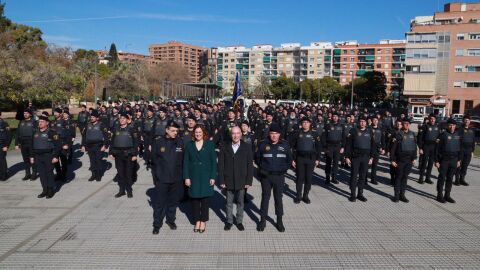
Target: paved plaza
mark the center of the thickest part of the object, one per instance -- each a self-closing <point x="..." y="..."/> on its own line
<point x="85" y="227"/>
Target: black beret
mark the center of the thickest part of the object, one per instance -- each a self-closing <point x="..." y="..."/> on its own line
<point x="124" y="114"/>
<point x="269" y="113"/>
<point x="306" y="119"/>
<point x="450" y="121"/>
<point x="191" y="116"/>
<point x="94" y="113"/>
<point x="466" y="116"/>
<point x="431" y="115"/>
<point x="43" y="117"/>
<point x="246" y="122"/>
<point x="172" y="123"/>
<point x="45" y="113"/>
<point x="162" y="109"/>
<point x="150" y="108"/>
<point x="58" y="110"/>
<point x="362" y="118"/>
<point x="28" y="110"/>
<point x="274" y="127"/>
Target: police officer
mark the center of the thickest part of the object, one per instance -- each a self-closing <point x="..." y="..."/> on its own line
<point x="306" y="147"/>
<point x="45" y="153"/>
<point x="25" y="131"/>
<point x="427" y="139"/>
<point x="5" y="140"/>
<point x="333" y="142"/>
<point x="95" y="142"/>
<point x="392" y="134"/>
<point x="60" y="127"/>
<point x="167" y="154"/>
<point x="359" y="153"/>
<point x="160" y="124"/>
<point x="72" y="131"/>
<point x="378" y="147"/>
<point x="263" y="127"/>
<point x="147" y="135"/>
<point x="290" y="125"/>
<point x="124" y="149"/>
<point x="449" y="155"/>
<point x="187" y="134"/>
<point x="468" y="147"/>
<point x="273" y="157"/>
<point x="403" y="155"/>
<point x="83" y="119"/>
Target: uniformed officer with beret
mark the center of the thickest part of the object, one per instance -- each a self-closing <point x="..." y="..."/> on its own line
<point x="359" y="153"/>
<point x="124" y="149"/>
<point x="333" y="139"/>
<point x="427" y="140"/>
<point x="468" y="147"/>
<point x="306" y="147"/>
<point x="5" y="139"/>
<point x="45" y="153"/>
<point x="60" y="127"/>
<point x="147" y="135"/>
<point x="273" y="157"/>
<point x="167" y="158"/>
<point x="403" y="156"/>
<point x="379" y="148"/>
<point x="24" y="136"/>
<point x="449" y="155"/>
<point x="95" y="142"/>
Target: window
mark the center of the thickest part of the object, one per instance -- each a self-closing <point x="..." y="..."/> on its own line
<point x="344" y="66"/>
<point x="226" y="66"/>
<point x="468" y="107"/>
<point x="474" y="35"/>
<point x="421" y="53"/>
<point x="422" y="38"/>
<point x="472" y="84"/>
<point x="473" y="52"/>
<point x="379" y="58"/>
<point x="457" y="84"/>
<point x="413" y="69"/>
<point x="459" y="52"/>
<point x="456" y="106"/>
<point x="379" y="65"/>
<point x="252" y="66"/>
<point x="311" y="72"/>
<point x="352" y="51"/>
<point x="460" y="36"/>
<point x="312" y="59"/>
<point x="319" y="65"/>
<point x="473" y="68"/>
<point x="386" y="66"/>
<point x="280" y="65"/>
<point x="344" y="52"/>
<point x="352" y="59"/>
<point x="386" y="73"/>
<point x="458" y="69"/>
<point x="344" y="59"/>
<point x="351" y="72"/>
<point x="352" y="65"/>
<point x="252" y="72"/>
<point x="379" y="50"/>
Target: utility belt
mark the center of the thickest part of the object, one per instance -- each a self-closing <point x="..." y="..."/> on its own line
<point x="122" y="152"/>
<point x="360" y="152"/>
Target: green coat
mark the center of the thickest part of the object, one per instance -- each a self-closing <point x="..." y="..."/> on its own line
<point x="200" y="167"/>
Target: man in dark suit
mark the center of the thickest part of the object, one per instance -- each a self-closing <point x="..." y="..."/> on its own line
<point x="167" y="158"/>
<point x="235" y="173"/>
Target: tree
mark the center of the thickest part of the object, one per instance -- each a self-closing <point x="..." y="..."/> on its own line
<point x="284" y="88"/>
<point x="262" y="87"/>
<point x="369" y="88"/>
<point x="112" y="55"/>
<point x="329" y="90"/>
<point x="206" y="76"/>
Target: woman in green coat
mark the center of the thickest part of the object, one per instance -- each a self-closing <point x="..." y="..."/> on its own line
<point x="199" y="171"/>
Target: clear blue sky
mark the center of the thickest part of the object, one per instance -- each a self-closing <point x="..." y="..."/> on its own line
<point x="134" y="24"/>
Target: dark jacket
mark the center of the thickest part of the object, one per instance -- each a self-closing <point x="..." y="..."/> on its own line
<point x="167" y="159"/>
<point x="200" y="167"/>
<point x="235" y="170"/>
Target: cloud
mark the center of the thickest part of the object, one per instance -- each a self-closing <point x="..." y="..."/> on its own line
<point x="157" y="16"/>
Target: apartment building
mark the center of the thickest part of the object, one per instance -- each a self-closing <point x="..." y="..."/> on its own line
<point x="190" y="56"/>
<point x="443" y="61"/>
<point x="352" y="60"/>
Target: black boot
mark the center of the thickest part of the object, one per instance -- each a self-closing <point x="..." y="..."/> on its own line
<point x="129" y="194"/>
<point x="403" y="198"/>
<point x="327" y="179"/>
<point x="428" y="181"/>
<point x="334" y="180"/>
<point x="261" y="225"/>
<point x="457" y="181"/>
<point x="305" y="198"/>
<point x="360" y="197"/>
<point x="92" y="177"/>
<point x="448" y="198"/>
<point x="28" y="174"/>
<point x="353" y="197"/>
<point x="420" y="180"/>
<point x="50" y="193"/>
<point x="440" y="197"/>
<point x="43" y="194"/>
<point x="462" y="181"/>
<point x="120" y="194"/>
<point x="280" y="226"/>
<point x="297" y="200"/>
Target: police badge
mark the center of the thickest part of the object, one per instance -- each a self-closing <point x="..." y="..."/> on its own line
<point x="162" y="149"/>
<point x="267" y="148"/>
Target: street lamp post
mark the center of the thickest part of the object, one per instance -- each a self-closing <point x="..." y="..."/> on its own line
<point x="351" y="95"/>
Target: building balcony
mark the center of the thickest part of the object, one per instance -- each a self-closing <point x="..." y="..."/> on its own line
<point x="360" y="72"/>
<point x="327" y="58"/>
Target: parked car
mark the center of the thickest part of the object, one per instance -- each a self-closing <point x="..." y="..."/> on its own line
<point x="418" y="118"/>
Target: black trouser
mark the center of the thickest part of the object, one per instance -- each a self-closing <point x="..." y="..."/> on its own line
<point x="332" y="158"/>
<point x="200" y="209"/>
<point x="404" y="167"/>
<point x="427" y="160"/>
<point x="3" y="165"/>
<point x="26" y="149"/>
<point x="124" y="165"/>
<point x="464" y="162"/>
<point x="61" y="167"/>
<point x="166" y="203"/>
<point x="44" y="165"/>
<point x="147" y="154"/>
<point x="373" y="170"/>
<point x="305" y="166"/>
<point x="358" y="172"/>
<point x="269" y="182"/>
<point x="96" y="158"/>
<point x="393" y="174"/>
<point x="448" y="167"/>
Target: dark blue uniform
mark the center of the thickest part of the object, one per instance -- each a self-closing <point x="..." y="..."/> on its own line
<point x="25" y="131"/>
<point x="404" y="153"/>
<point x="167" y="160"/>
<point x="333" y="140"/>
<point x="5" y="139"/>
<point x="96" y="137"/>
<point x="46" y="146"/>
<point x="273" y="161"/>
<point x="427" y="140"/>
<point x="468" y="147"/>
<point x="449" y="152"/>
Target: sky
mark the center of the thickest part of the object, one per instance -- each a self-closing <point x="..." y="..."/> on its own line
<point x="134" y="24"/>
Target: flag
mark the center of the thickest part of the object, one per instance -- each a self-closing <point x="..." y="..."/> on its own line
<point x="237" y="89"/>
